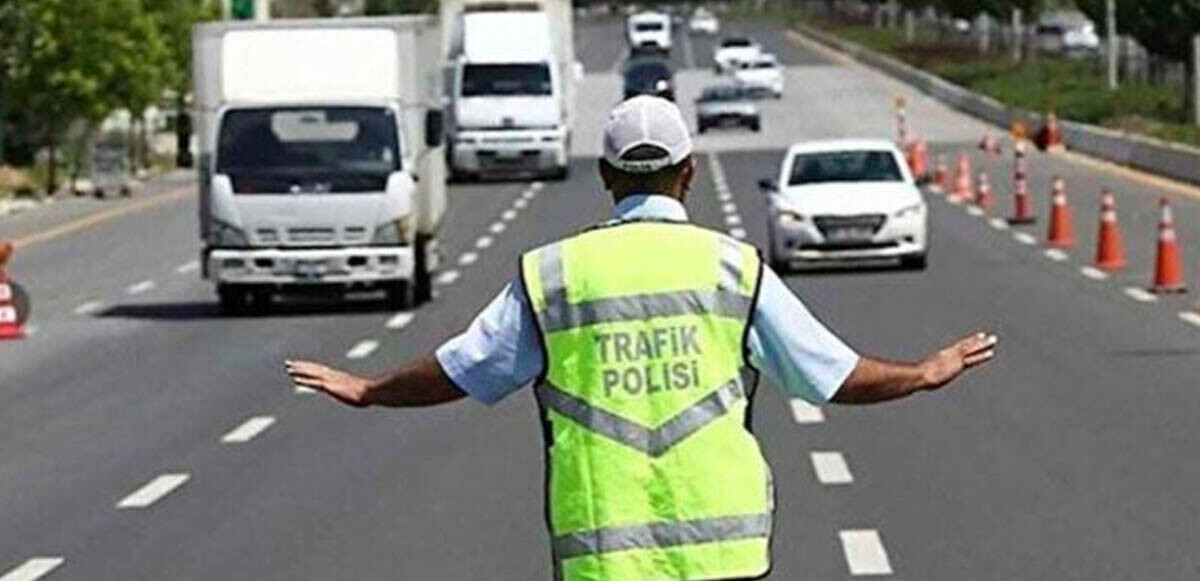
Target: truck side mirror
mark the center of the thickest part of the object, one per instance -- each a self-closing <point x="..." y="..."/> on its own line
<point x="434" y="128"/>
<point x="577" y="70"/>
<point x="767" y="185"/>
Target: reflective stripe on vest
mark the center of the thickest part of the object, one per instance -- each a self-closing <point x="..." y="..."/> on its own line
<point x="692" y="532"/>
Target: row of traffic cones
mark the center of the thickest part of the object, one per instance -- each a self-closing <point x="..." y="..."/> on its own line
<point x="1110" y="252"/>
<point x="12" y="315"/>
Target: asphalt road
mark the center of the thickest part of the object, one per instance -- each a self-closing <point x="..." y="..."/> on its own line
<point x="1066" y="459"/>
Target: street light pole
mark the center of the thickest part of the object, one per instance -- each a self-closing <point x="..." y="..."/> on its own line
<point x="1110" y="23"/>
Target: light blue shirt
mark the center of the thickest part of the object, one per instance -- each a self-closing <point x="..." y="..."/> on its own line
<point x="500" y="352"/>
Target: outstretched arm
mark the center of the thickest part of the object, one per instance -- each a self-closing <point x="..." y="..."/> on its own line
<point x="421" y="383"/>
<point x="875" y="380"/>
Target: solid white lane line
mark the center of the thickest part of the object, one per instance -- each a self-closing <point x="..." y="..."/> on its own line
<point x="998" y="223"/>
<point x="399" y="321"/>
<point x="831" y="468"/>
<point x="976" y="211"/>
<point x="468" y="258"/>
<point x="138" y="288"/>
<point x="248" y="430"/>
<point x="1055" y="254"/>
<point x="88" y="307"/>
<point x="362" y="349"/>
<point x="733" y="220"/>
<point x="1190" y="317"/>
<point x="447" y="277"/>
<point x="729" y="208"/>
<point x="1093" y="273"/>
<point x="154" y="490"/>
<point x="509" y="215"/>
<point x="864" y="552"/>
<point x="33" y="569"/>
<point x="496" y="228"/>
<point x="738" y="233"/>
<point x="189" y="266"/>
<point x="1025" y="238"/>
<point x="1140" y="295"/>
<point x="520" y="203"/>
<point x="483" y="242"/>
<point x="806" y="413"/>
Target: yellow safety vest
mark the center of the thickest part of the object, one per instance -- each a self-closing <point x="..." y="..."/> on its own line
<point x="653" y="474"/>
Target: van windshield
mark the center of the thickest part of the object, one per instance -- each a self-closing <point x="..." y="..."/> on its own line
<point x="308" y="149"/>
<point x="480" y="80"/>
<point x="844" y="166"/>
<point x="648" y="26"/>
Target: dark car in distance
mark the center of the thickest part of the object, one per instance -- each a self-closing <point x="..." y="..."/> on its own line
<point x="649" y="76"/>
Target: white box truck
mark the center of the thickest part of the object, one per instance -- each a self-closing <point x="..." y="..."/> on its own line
<point x="321" y="161"/>
<point x="512" y="86"/>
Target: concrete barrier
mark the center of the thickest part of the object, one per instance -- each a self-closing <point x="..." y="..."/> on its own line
<point x="1159" y="157"/>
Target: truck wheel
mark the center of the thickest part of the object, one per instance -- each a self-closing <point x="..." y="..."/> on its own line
<point x="98" y="193"/>
<point x="914" y="261"/>
<point x="561" y="174"/>
<point x="422" y="284"/>
<point x="234" y="300"/>
<point x="401" y="295"/>
<point x="755" y="126"/>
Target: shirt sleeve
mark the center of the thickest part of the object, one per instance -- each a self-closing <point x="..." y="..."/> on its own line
<point x="792" y="348"/>
<point x="499" y="352"/>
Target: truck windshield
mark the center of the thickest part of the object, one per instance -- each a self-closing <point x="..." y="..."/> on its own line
<point x="308" y="149"/>
<point x="648" y="26"/>
<point x="506" y="79"/>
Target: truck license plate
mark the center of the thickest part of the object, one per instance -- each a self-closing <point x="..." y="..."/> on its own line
<point x="310" y="268"/>
<point x="850" y="234"/>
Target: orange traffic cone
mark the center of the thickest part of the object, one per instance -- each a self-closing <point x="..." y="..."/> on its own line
<point x="1168" y="267"/>
<point x="989" y="144"/>
<point x="941" y="175"/>
<point x="983" y="192"/>
<point x="1062" y="227"/>
<point x="962" y="181"/>
<point x="918" y="160"/>
<point x="11" y="315"/>
<point x="1110" y="250"/>
<point x="1022" y="207"/>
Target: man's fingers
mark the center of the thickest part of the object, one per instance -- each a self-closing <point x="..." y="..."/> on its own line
<point x="977" y="343"/>
<point x="980" y="357"/>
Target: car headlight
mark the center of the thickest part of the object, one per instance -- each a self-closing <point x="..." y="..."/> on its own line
<point x="912" y="210"/>
<point x="790" y="218"/>
<point x="224" y="235"/>
<point x="391" y="233"/>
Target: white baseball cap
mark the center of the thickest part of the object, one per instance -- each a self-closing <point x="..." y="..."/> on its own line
<point x="646" y="122"/>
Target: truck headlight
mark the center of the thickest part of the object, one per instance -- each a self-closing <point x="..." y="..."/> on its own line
<point x="912" y="210"/>
<point x="392" y="233"/>
<point x="223" y="235"/>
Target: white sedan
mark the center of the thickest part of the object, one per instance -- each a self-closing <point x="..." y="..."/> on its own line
<point x="732" y="51"/>
<point x="761" y="74"/>
<point x="845" y="199"/>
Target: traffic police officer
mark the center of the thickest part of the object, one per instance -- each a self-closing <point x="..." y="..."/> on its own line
<point x="645" y="335"/>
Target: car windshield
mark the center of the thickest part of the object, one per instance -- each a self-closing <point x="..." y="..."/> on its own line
<point x="761" y="65"/>
<point x="718" y="94"/>
<point x="309" y="149"/>
<point x="735" y="43"/>
<point x="648" y="26"/>
<point x="844" y="166"/>
<point x="481" y="80"/>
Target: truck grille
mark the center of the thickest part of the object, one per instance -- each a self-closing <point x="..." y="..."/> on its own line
<point x="311" y="235"/>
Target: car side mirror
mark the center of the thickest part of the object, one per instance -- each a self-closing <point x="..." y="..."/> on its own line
<point x="767" y="185"/>
<point x="434" y="128"/>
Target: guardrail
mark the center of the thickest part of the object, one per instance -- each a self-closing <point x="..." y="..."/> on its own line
<point x="1171" y="160"/>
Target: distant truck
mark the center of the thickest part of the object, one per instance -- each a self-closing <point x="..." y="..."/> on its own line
<point x="649" y="32"/>
<point x="512" y="75"/>
<point x="321" y="163"/>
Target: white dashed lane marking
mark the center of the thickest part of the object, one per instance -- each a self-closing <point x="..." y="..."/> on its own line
<point x="248" y="430"/>
<point x="187" y="267"/>
<point x="864" y="552"/>
<point x="536" y="186"/>
<point x="154" y="490"/>
<point x="1025" y="238"/>
<point x="33" y="569"/>
<point x="976" y="211"/>
<point x="729" y="208"/>
<point x="496" y="228"/>
<point x="362" y="349"/>
<point x="733" y="220"/>
<point x="140" y="287"/>
<point x="88" y="308"/>
<point x="520" y="203"/>
<point x="831" y="468"/>
<point x="806" y="413"/>
<point x="1055" y="254"/>
<point x="448" y="277"/>
<point x="1190" y="317"/>
<point x="1140" y="295"/>
<point x="483" y="242"/>
<point x="399" y="321"/>
<point x="1093" y="273"/>
<point x="738" y="233"/>
<point x="468" y="258"/>
<point x="509" y="215"/>
<point x="998" y="223"/>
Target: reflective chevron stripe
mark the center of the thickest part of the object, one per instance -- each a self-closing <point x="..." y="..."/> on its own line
<point x="657" y="535"/>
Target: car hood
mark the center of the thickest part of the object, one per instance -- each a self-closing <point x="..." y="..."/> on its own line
<point x="506" y="112"/>
<point x="737" y="53"/>
<point x="849" y="199"/>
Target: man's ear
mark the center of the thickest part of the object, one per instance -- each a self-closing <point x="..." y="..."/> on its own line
<point x="605" y="175"/>
<point x="687" y="175"/>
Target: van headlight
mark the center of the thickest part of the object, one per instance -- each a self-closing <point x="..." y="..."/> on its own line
<point x="391" y="233"/>
<point x="224" y="235"/>
<point x="913" y="210"/>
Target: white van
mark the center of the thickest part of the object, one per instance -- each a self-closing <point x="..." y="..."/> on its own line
<point x="650" y="31"/>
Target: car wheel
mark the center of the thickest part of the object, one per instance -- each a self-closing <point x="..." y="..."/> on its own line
<point x="755" y="126"/>
<point x="914" y="261"/>
<point x="422" y="283"/>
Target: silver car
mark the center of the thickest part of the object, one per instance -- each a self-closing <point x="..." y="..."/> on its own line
<point x="726" y="105"/>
